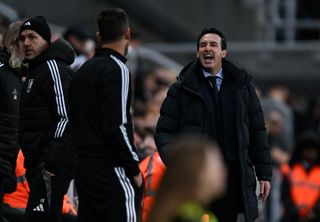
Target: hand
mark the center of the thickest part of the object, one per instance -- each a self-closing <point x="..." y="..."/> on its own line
<point x="265" y="187"/>
<point x="138" y="179"/>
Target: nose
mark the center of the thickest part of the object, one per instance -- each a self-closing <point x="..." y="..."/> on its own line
<point x="26" y="42"/>
<point x="208" y="47"/>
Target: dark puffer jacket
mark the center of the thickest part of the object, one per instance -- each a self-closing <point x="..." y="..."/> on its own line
<point x="184" y="111"/>
<point x="45" y="135"/>
<point x="10" y="88"/>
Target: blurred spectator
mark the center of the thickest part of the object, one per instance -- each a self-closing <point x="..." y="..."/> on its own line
<point x="147" y="84"/>
<point x="279" y="124"/>
<point x="82" y="43"/>
<point x="301" y="185"/>
<point x="152" y="169"/>
<point x="280" y="156"/>
<point x="195" y="175"/>
<point x="154" y="90"/>
<point x="144" y="141"/>
<point x="276" y="99"/>
<point x="274" y="125"/>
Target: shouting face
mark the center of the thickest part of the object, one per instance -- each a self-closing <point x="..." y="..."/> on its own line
<point x="210" y="53"/>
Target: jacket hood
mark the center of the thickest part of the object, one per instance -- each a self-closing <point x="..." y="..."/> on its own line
<point x="189" y="74"/>
<point x="4" y="57"/>
<point x="59" y="50"/>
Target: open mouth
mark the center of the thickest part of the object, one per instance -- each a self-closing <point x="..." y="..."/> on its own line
<point x="208" y="57"/>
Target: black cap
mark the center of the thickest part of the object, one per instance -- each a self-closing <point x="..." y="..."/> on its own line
<point x="39" y="25"/>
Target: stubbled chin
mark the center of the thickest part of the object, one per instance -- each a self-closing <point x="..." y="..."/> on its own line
<point x="207" y="67"/>
<point x="29" y="57"/>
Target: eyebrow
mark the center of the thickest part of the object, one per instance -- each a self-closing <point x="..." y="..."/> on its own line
<point x="205" y="42"/>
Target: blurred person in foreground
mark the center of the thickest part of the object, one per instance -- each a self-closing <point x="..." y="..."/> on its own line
<point x="108" y="178"/>
<point x="44" y="131"/>
<point x="195" y="175"/>
<point x="301" y="181"/>
<point x="11" y="70"/>
<point x="215" y="98"/>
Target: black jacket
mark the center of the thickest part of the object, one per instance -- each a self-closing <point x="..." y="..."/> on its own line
<point x="100" y="107"/>
<point x="184" y="111"/>
<point x="10" y="88"/>
<point x="44" y="121"/>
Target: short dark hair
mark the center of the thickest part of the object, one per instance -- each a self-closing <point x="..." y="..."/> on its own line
<point x="213" y="31"/>
<point x="112" y="24"/>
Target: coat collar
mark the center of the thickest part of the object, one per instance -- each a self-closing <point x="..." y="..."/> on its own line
<point x="190" y="74"/>
<point x="108" y="52"/>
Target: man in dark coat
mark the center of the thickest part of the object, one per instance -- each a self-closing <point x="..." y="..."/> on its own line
<point x="216" y="98"/>
<point x="108" y="179"/>
<point x="44" y="131"/>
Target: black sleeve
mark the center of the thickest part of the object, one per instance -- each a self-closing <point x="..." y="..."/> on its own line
<point x="259" y="150"/>
<point x="56" y="89"/>
<point x="115" y="105"/>
<point x="167" y="126"/>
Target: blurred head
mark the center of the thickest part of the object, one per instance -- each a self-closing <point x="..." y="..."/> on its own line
<point x="211" y="49"/>
<point x="13" y="45"/>
<point x="213" y="176"/>
<point x="78" y="37"/>
<point x="195" y="169"/>
<point x="274" y="123"/>
<point x="279" y="91"/>
<point x="195" y="173"/>
<point x="113" y="26"/>
<point x="35" y="35"/>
